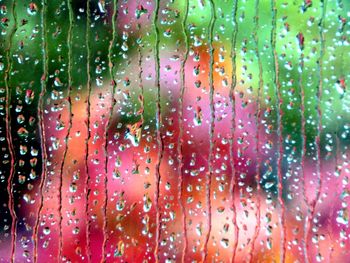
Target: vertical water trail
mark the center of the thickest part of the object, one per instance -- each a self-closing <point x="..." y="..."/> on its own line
<point x="11" y="204"/>
<point x="87" y="190"/>
<point x="42" y="127"/>
<point x="180" y="139"/>
<point x="257" y="126"/>
<point x="279" y="131"/>
<point x="108" y="126"/>
<point x="319" y="130"/>
<point x="303" y="146"/>
<point x="331" y="214"/>
<point x="158" y="124"/>
<point x="70" y="124"/>
<point x="233" y="127"/>
<point x="338" y="166"/>
<point x="211" y="127"/>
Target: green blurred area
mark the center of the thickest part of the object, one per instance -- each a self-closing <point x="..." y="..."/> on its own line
<point x="26" y="45"/>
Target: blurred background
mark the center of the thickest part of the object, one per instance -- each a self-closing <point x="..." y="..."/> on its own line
<point x="174" y="131"/>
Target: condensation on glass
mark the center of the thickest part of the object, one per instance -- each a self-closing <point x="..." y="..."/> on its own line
<point x="174" y="131"/>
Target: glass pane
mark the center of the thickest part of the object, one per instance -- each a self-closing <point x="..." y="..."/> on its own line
<point x="174" y="131"/>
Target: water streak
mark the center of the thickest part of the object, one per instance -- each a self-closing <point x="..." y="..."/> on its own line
<point x="87" y="189"/>
<point x="233" y="128"/>
<point x="257" y="127"/>
<point x="279" y="131"/>
<point x="211" y="127"/>
<point x="42" y="128"/>
<point x="70" y="124"/>
<point x="11" y="204"/>
<point x="180" y="138"/>
<point x="158" y="124"/>
<point x="314" y="202"/>
<point x="303" y="146"/>
<point x="108" y="127"/>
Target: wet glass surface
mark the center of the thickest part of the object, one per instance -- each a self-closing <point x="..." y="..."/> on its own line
<point x="174" y="131"/>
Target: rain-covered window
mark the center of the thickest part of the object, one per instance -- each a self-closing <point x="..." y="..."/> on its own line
<point x="174" y="131"/>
